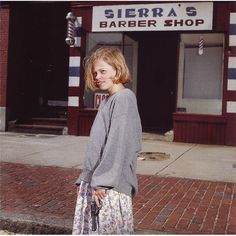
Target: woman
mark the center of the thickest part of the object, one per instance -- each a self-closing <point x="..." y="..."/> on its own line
<point x="109" y="173"/>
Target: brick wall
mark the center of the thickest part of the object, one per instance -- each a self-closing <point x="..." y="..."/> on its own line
<point x="4" y="30"/>
<point x="4" y="35"/>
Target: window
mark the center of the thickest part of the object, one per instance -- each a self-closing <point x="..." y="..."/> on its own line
<point x="200" y="76"/>
<point x="130" y="50"/>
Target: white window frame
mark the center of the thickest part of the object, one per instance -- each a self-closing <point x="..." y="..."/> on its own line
<point x="192" y="105"/>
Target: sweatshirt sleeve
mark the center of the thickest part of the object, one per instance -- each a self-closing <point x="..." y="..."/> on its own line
<point x="120" y="146"/>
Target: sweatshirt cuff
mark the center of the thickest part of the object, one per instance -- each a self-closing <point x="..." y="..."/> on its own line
<point x="85" y="176"/>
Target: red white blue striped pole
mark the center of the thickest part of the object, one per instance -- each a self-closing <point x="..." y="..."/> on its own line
<point x="200" y="46"/>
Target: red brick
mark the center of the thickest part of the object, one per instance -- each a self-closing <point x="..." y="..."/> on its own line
<point x="141" y="213"/>
<point x="37" y="195"/>
<point x="171" y="222"/>
<point x="194" y="228"/>
<point x="207" y="199"/>
<point x="201" y="211"/>
<point x="233" y="212"/>
<point x="208" y="224"/>
<point x="183" y="203"/>
<point x="144" y="225"/>
<point x="197" y="220"/>
<point x="149" y="218"/>
<point x="220" y="228"/>
<point x="157" y="227"/>
<point x="183" y="224"/>
<point x="232" y="221"/>
<point x="176" y="214"/>
<point x="188" y="213"/>
<point x="4" y="28"/>
<point x="231" y="229"/>
<point x="223" y="214"/>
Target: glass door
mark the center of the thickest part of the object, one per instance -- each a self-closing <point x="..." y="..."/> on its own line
<point x="127" y="45"/>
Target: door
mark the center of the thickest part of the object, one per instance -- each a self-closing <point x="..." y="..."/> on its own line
<point x="127" y="45"/>
<point x="157" y="76"/>
<point x="38" y="58"/>
<point x="130" y="50"/>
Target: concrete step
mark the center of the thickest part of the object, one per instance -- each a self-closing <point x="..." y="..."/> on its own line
<point x="36" y="126"/>
<point x="41" y="128"/>
<point x="49" y="121"/>
<point x="54" y="119"/>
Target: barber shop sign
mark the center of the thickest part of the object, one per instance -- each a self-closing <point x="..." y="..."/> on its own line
<point x="153" y="17"/>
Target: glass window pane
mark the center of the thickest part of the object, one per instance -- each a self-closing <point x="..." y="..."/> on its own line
<point x="203" y="73"/>
<point x="200" y="77"/>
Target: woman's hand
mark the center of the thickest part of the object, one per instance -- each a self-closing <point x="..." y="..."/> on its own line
<point x="99" y="195"/>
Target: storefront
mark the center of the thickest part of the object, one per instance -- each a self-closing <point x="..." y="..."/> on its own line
<point x="182" y="58"/>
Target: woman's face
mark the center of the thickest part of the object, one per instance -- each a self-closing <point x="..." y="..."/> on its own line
<point x="103" y="75"/>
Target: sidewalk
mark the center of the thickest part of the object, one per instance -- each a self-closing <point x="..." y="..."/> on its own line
<point x="192" y="190"/>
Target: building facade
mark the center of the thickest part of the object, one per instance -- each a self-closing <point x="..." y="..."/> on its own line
<point x="182" y="56"/>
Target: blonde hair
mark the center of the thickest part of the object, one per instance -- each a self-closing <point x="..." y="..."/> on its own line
<point x="112" y="56"/>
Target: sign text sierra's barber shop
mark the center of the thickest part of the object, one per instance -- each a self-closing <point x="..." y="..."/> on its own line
<point x="170" y="16"/>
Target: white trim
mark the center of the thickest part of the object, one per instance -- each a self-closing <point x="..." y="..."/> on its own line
<point x="231" y="85"/>
<point x="73" y="101"/>
<point x="233" y="18"/>
<point x="232" y="40"/>
<point x="232" y="62"/>
<point x="74" y="81"/>
<point x="231" y="107"/>
<point x="77" y="41"/>
<point x="74" y="61"/>
<point x="58" y="103"/>
<point x="3" y="118"/>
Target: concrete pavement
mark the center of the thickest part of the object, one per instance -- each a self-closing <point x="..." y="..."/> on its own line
<point x="196" y="161"/>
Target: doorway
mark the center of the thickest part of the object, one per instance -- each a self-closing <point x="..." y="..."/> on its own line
<point x="152" y="58"/>
<point x="38" y="59"/>
<point x="157" y="79"/>
<point x="129" y="48"/>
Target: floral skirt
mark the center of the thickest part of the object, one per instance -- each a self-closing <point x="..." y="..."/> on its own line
<point x="115" y="216"/>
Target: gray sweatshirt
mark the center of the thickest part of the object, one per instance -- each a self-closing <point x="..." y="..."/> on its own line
<point x="115" y="140"/>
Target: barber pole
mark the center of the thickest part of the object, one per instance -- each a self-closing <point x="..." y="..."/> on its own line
<point x="200" y="46"/>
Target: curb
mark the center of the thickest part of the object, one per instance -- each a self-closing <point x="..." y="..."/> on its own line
<point x="18" y="223"/>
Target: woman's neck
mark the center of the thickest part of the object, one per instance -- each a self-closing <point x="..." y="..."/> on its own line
<point x="115" y="88"/>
